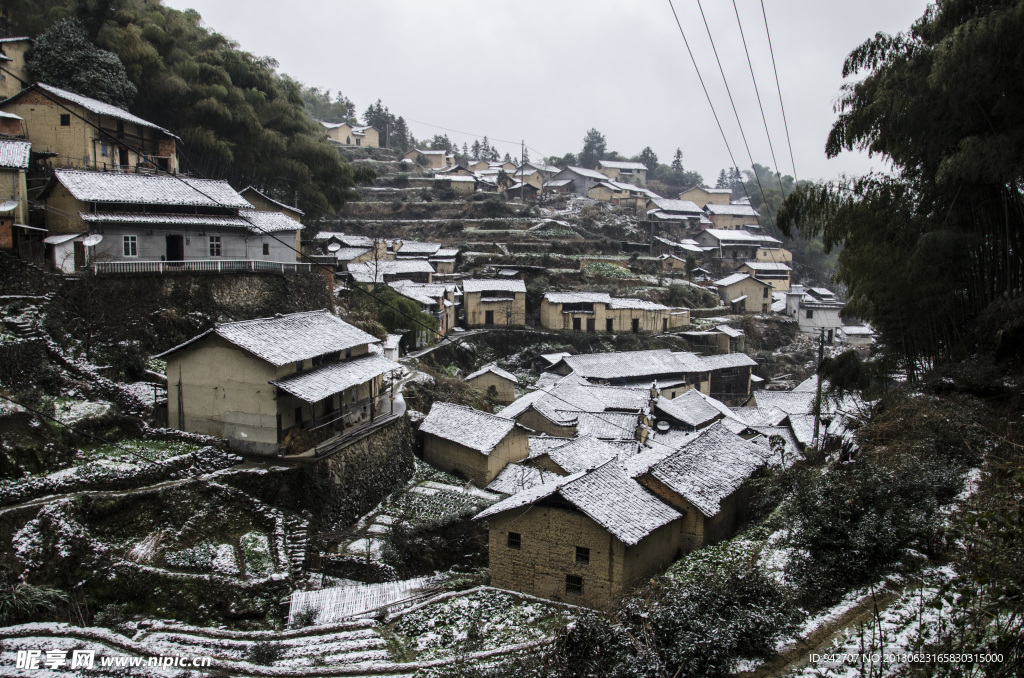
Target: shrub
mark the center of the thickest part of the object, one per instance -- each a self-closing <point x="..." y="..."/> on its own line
<point x="264" y="652"/>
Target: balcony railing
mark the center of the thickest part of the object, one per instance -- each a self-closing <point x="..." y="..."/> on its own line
<point x="198" y="266"/>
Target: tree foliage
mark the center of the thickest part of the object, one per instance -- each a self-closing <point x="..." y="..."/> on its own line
<point x="926" y="249"/>
<point x="322" y="106"/>
<point x="594" y="149"/>
<point x="393" y="129"/>
<point x="64" y="57"/>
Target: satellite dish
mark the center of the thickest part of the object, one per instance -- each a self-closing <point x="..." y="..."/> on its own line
<point x="663" y="426"/>
<point x="8" y="205"/>
<point x="334" y="247"/>
<point x="91" y="240"/>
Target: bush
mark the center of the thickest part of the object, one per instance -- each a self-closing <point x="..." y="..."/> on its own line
<point x="264" y="652"/>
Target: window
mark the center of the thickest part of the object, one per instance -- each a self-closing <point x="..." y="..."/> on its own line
<point x="298" y="416"/>
<point x="664" y="324"/>
<point x="515" y="540"/>
<point x="764" y="293"/>
<point x="636" y="325"/>
<point x="582" y="556"/>
<point x="266" y="249"/>
<point x="576" y="324"/>
<point x="104" y="150"/>
<point x="573" y="584"/>
<point x="298" y="366"/>
<point x="215" y="246"/>
<point x="328" y="406"/>
<point x="65" y="120"/>
<point x="359" y="142"/>
<point x="355" y="391"/>
<point x="131" y="245"/>
<point x="810" y="313"/>
<point x="348" y="353"/>
<point x="609" y="325"/>
<point x="590" y="325"/>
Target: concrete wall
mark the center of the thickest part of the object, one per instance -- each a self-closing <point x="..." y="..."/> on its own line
<point x="547" y="553"/>
<point x="476" y="310"/>
<point x="505" y="388"/>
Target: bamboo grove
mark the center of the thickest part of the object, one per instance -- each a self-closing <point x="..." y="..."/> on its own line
<point x="929" y="247"/>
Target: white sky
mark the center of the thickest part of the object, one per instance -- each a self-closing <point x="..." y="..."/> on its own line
<point x="548" y="70"/>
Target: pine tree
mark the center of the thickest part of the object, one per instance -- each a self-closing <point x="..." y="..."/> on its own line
<point x="723" y="180"/>
<point x="508" y="158"/>
<point x="677" y="160"/>
<point x="475" y="150"/>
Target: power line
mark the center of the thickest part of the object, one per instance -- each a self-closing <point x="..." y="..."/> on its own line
<point x="753" y="79"/>
<point x="792" y="158"/>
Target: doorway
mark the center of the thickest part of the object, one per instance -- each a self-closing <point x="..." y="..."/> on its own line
<point x="488" y="317"/>
<point x="175" y="248"/>
<point x="122" y="157"/>
<point x="636" y="325"/>
<point x="609" y="325"/>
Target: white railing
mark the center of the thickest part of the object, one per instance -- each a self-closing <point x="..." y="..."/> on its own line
<point x="199" y="266"/>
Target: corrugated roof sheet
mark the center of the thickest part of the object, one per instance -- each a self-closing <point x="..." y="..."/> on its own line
<point x="468" y="427"/>
<point x="146" y="189"/>
<point x="14" y="153"/>
<point x="326" y="380"/>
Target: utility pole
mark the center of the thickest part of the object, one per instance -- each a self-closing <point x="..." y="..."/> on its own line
<point x="817" y="399"/>
<point x="522" y="169"/>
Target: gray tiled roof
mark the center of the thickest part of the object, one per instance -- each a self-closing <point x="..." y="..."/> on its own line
<point x="732" y="210"/>
<point x="479" y="285"/>
<point x="468" y="427"/>
<point x="14" y="153"/>
<point x="517" y="477"/>
<point x="735" y="278"/>
<point x="350" y="253"/>
<point x="269" y="222"/>
<point x="632" y="364"/>
<point x="150" y="219"/>
<point x="577" y="297"/>
<point x="790" y="402"/>
<point x="688" y="408"/>
<point x="727" y="360"/>
<point x="683" y="206"/>
<point x="495" y="370"/>
<point x="411" y="247"/>
<point x="584" y="172"/>
<point x="580" y="454"/>
<point x="766" y="266"/>
<point x="289" y="338"/>
<point x="147" y="189"/>
<point x="607" y="495"/>
<point x="609" y="425"/>
<point x="326" y="380"/>
<point x="100" y="107"/>
<point x="364" y="271"/>
<point x="637" y="304"/>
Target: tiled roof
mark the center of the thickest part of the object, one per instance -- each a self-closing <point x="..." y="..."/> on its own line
<point x="765" y="266"/>
<point x="727" y="360"/>
<point x="760" y="416"/>
<point x="252" y="189"/>
<point x="147" y="189"/>
<point x="637" y="304"/>
<point x="468" y="427"/>
<point x="14" y="154"/>
<point x="269" y="222"/>
<point x="326" y="380"/>
<point x="577" y="297"/>
<point x="730" y="331"/>
<point x="364" y="271"/>
<point x="289" y="338"/>
<point x="517" y="477"/>
<point x="150" y="219"/>
<point x="580" y="454"/>
<point x="790" y="402"/>
<point x="447" y="252"/>
<point x="350" y="253"/>
<point x="98" y="107"/>
<point x="426" y="294"/>
<point x="477" y="285"/>
<point x="617" y="164"/>
<point x="609" y="425"/>
<point x="684" y="206"/>
<point x="736" y="235"/>
<point x="710" y="468"/>
<point x="495" y="370"/>
<point x="584" y="172"/>
<point x="607" y="495"/>
<point x="620" y="398"/>
<point x="784" y="432"/>
<point x="632" y="364"/>
<point x="411" y="247"/>
<point x="734" y="278"/>
<point x="732" y="210"/>
<point x="688" y="408"/>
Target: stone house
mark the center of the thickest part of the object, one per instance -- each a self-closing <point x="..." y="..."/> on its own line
<point x="145" y="219"/>
<point x="744" y="293"/>
<point x="626" y="172"/>
<point x="585" y="539"/>
<point x="12" y="66"/>
<point x="347" y="134"/>
<point x="732" y="216"/>
<point x="272" y="384"/>
<point x="490" y="303"/>
<point x="599" y="312"/>
<point x="706" y="196"/>
<point x="85" y="133"/>
<point x="776" y="274"/>
<point x="475" y="444"/>
<point x="503" y="382"/>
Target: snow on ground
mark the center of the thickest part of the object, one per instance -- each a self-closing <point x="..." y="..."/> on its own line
<point x="71" y="412"/>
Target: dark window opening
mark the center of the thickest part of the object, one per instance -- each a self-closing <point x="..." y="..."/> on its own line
<point x="580" y="307"/>
<point x="298" y="416"/>
<point x="609" y="325"/>
<point x="636" y="325"/>
<point x="573" y="584"/>
<point x="515" y="540"/>
<point x="765" y="292"/>
<point x="810" y="313"/>
<point x="298" y="366"/>
<point x="266" y="249"/>
<point x="590" y="325"/>
<point x="65" y="120"/>
<point x="488" y="317"/>
<point x="664" y="324"/>
<point x="582" y="556"/>
<point x="577" y="324"/>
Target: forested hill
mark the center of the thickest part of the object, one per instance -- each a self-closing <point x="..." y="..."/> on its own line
<point x="238" y="117"/>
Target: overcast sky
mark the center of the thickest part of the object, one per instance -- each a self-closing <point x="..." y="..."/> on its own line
<point x="546" y="71"/>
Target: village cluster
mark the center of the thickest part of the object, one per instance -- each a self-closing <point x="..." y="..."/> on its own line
<point x="611" y="464"/>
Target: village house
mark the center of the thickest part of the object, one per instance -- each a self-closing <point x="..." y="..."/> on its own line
<point x="585" y="539"/>
<point x="744" y="293"/>
<point x="490" y="303"/>
<point x="706" y="196"/>
<point x="599" y="312"/>
<point x="378" y="271"/>
<point x="433" y="159"/>
<point x="858" y="336"/>
<point x="12" y="66"/>
<point x="816" y="309"/>
<point x="438" y="300"/>
<point x="459" y="184"/>
<point x="732" y="216"/>
<point x="776" y="274"/>
<point x="15" y="234"/>
<point x="85" y="133"/>
<point x="582" y="179"/>
<point x="491" y="376"/>
<point x="683" y="213"/>
<point x="625" y="172"/>
<point x="277" y="384"/>
<point x="735" y="247"/>
<point x="352" y="135"/>
<point x="142" y="223"/>
<point x="443" y="260"/>
<point x="265" y="203"/>
<point x="475" y="444"/>
<point x="681" y="249"/>
<point x="565" y="456"/>
<point x="689" y="412"/>
<point x="669" y="373"/>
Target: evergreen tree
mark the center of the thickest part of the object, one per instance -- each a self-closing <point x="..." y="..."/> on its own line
<point x="508" y="158"/>
<point x="677" y="160"/>
<point x="649" y="158"/>
<point x="475" y="150"/>
<point x="594" y="147"/>
<point x="723" y="180"/>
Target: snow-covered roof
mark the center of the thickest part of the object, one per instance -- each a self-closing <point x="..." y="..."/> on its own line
<point x="689" y="409"/>
<point x="494" y="369"/>
<point x="468" y="427"/>
<point x="609" y="425"/>
<point x="637" y="304"/>
<point x="269" y="222"/>
<point x="253" y="189"/>
<point x="579" y="454"/>
<point x="345" y="239"/>
<point x="724" y="361"/>
<point x="687" y="207"/>
<point x="478" y="285"/>
<point x="63" y="238"/>
<point x="606" y="495"/>
<point x="148" y="189"/>
<point x="558" y="183"/>
<point x="632" y="364"/>
<point x="710" y="468"/>
<point x="392" y="341"/>
<point x="446" y="253"/>
<point x="350" y="253"/>
<point x="790" y="402"/>
<point x="730" y="331"/>
<point x="584" y="172"/>
<point x="326" y="380"/>
<point x="735" y="278"/>
<point x="94" y="106"/>
<point x="618" y="164"/>
<point x="150" y="219"/>
<point x="577" y="297"/>
<point x="766" y="266"/>
<point x="738" y="235"/>
<point x="518" y="477"/>
<point x="374" y="271"/>
<point x="857" y="330"/>
<point x="288" y="338"/>
<point x="14" y="153"/>
<point x="732" y="210"/>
